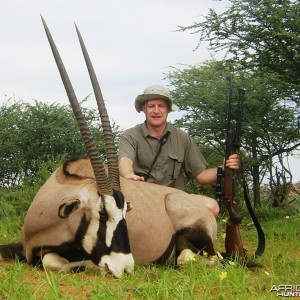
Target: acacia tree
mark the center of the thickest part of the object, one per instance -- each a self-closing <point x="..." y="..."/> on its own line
<point x="262" y="35"/>
<point x="270" y="126"/>
<point x="31" y="135"/>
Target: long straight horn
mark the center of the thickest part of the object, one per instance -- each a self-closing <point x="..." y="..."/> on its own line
<point x="111" y="151"/>
<point x="103" y="183"/>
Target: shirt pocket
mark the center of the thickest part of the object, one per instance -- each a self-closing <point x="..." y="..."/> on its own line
<point x="175" y="163"/>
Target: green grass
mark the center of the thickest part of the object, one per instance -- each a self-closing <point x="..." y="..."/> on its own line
<point x="279" y="265"/>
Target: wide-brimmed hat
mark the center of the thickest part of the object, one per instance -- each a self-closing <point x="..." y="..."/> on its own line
<point x="154" y="92"/>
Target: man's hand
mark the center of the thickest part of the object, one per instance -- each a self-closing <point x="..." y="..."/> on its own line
<point x="135" y="177"/>
<point x="126" y="169"/>
<point x="233" y="162"/>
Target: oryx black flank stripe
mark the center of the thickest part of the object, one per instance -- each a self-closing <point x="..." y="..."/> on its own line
<point x="166" y="255"/>
<point x="69" y="250"/>
<point x="72" y="251"/>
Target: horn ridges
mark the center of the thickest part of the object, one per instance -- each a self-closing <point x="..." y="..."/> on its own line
<point x="103" y="183"/>
<point x="112" y="160"/>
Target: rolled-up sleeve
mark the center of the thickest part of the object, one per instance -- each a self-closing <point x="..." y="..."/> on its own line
<point x="194" y="161"/>
<point x="127" y="146"/>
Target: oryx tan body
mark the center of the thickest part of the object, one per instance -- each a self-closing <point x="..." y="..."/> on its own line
<point x="158" y="216"/>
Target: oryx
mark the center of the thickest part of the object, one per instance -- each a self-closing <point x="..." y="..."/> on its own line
<point x="72" y="215"/>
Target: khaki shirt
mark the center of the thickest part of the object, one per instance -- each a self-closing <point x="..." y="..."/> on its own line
<point x="179" y="154"/>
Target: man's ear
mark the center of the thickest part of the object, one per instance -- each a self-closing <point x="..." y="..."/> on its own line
<point x="144" y="107"/>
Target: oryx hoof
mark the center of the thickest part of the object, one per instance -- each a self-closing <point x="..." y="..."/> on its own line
<point x="186" y="256"/>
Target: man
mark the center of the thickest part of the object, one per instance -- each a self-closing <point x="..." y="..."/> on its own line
<point x="158" y="152"/>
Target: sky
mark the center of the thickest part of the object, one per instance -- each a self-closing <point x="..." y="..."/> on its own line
<point x="132" y="44"/>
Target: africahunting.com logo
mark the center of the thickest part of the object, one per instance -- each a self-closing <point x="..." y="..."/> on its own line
<point x="286" y="290"/>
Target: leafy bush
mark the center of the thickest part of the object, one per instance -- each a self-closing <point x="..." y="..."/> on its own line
<point x="39" y="133"/>
<point x="16" y="201"/>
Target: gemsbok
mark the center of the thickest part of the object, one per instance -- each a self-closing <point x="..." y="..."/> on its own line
<point x="77" y="218"/>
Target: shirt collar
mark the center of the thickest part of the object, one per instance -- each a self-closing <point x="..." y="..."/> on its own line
<point x="146" y="131"/>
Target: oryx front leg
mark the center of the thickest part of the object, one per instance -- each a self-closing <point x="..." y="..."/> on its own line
<point x="54" y="262"/>
<point x="194" y="223"/>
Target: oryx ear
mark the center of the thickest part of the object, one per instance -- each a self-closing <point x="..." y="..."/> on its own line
<point x="129" y="206"/>
<point x="68" y="207"/>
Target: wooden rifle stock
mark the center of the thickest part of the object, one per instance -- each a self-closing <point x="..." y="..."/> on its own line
<point x="233" y="241"/>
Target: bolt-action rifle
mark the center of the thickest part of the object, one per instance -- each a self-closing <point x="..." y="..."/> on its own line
<point x="233" y="241"/>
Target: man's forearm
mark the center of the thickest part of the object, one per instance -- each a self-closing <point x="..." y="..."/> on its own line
<point x="126" y="169"/>
<point x="207" y="176"/>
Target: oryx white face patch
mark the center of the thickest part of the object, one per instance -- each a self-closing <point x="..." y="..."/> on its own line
<point x="91" y="236"/>
<point x="115" y="215"/>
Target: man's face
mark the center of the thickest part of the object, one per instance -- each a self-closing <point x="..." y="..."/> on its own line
<point x="156" y="112"/>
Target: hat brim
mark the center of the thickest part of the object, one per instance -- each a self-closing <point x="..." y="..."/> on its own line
<point x="141" y="99"/>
